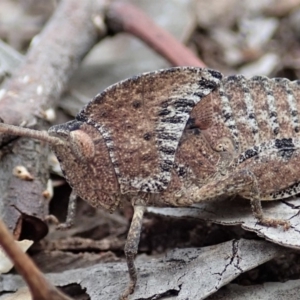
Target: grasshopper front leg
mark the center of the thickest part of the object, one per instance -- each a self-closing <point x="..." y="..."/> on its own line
<point x="70" y="214"/>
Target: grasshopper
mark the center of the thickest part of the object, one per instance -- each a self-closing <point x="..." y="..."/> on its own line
<point x="176" y="137"/>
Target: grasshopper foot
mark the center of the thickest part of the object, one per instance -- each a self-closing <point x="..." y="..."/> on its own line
<point x="274" y="222"/>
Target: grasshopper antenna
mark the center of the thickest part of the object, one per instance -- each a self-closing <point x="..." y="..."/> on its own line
<point x="26" y="132"/>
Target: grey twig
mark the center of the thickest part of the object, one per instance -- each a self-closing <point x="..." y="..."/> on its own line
<point x="35" y="87"/>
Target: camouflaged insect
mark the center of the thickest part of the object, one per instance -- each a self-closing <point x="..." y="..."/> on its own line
<point x="180" y="136"/>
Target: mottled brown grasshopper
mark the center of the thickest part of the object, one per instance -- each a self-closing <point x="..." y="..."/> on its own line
<point x="180" y="136"/>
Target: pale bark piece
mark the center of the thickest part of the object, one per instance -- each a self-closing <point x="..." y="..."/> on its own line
<point x="185" y="273"/>
<point x="238" y="211"/>
<point x="5" y="263"/>
<point x="22" y="294"/>
<point x="268" y="291"/>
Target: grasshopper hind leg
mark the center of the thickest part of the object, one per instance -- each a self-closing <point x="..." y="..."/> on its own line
<point x="259" y="215"/>
<point x="241" y="182"/>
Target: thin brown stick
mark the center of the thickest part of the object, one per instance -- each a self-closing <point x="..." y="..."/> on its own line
<point x="125" y="17"/>
<point x="38" y="285"/>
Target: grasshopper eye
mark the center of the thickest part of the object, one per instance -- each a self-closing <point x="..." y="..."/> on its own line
<point x="82" y="145"/>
